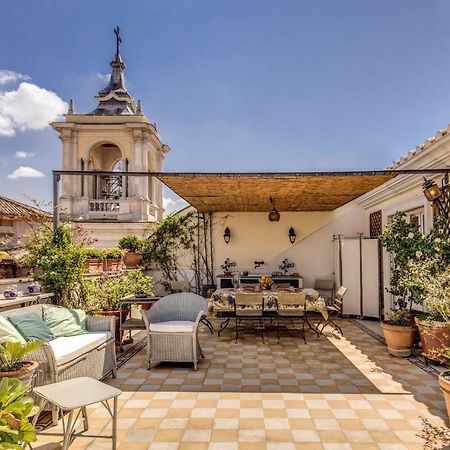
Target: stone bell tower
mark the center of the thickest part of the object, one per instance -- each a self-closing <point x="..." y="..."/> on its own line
<point x="115" y="137"/>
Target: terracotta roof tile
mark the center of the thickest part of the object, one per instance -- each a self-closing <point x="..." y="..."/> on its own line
<point x="13" y="209"/>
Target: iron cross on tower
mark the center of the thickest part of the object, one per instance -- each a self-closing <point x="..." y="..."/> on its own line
<point x="118" y="38"/>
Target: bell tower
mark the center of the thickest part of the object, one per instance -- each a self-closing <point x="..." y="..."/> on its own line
<point x="116" y="136"/>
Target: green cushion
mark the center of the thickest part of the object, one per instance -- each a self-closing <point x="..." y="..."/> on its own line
<point x="32" y="327"/>
<point x="63" y="321"/>
<point x="8" y="332"/>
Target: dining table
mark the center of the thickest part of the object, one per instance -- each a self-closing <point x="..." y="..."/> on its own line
<point x="221" y="305"/>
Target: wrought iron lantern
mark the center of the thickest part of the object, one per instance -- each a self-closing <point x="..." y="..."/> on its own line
<point x="274" y="215"/>
<point x="431" y="190"/>
<point x="227" y="235"/>
<point x="439" y="197"/>
<point x="292" y="235"/>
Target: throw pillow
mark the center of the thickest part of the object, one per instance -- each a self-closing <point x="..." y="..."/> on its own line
<point x="8" y="332"/>
<point x="32" y="327"/>
<point x="64" y="321"/>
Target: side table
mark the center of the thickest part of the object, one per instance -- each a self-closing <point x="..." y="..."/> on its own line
<point x="77" y="394"/>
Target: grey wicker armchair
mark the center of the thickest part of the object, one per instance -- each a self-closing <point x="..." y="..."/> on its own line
<point x="172" y="328"/>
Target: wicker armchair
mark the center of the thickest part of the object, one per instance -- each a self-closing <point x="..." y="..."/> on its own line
<point x="172" y="328"/>
<point x="98" y="362"/>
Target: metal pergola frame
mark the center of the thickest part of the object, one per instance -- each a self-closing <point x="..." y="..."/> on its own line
<point x="58" y="173"/>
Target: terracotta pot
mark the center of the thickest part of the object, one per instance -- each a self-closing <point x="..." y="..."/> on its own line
<point x="116" y="315"/>
<point x="444" y="384"/>
<point x="111" y="265"/>
<point x="94" y="265"/>
<point x="145" y="306"/>
<point x="132" y="260"/>
<point x="434" y="336"/>
<point x="399" y="339"/>
<point x="25" y="374"/>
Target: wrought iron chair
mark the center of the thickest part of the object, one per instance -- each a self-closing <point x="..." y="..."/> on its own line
<point x="334" y="311"/>
<point x="291" y="308"/>
<point x="325" y="287"/>
<point x="249" y="307"/>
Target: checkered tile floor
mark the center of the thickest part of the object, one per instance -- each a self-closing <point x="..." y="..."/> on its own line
<point x="332" y="393"/>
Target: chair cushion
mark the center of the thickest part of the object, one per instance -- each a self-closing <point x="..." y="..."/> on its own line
<point x="64" y="321"/>
<point x="32" y="327"/>
<point x="68" y="348"/>
<point x="173" y="326"/>
<point x="8" y="332"/>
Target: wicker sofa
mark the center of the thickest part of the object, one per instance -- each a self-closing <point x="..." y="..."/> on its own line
<point x="172" y="328"/>
<point x="92" y="354"/>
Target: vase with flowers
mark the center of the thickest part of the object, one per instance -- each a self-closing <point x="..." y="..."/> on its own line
<point x="265" y="282"/>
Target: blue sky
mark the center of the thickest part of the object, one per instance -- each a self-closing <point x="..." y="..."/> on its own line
<point x="233" y="85"/>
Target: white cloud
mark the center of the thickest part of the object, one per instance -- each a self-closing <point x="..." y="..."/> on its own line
<point x="25" y="172"/>
<point x="29" y="107"/>
<point x="103" y="76"/>
<point x="23" y="154"/>
<point x="173" y="204"/>
<point x="9" y="76"/>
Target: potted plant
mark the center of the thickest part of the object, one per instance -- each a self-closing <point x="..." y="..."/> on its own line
<point x="226" y="266"/>
<point x="265" y="282"/>
<point x="112" y="258"/>
<point x="103" y="294"/>
<point x="94" y="260"/>
<point x="132" y="246"/>
<point x="11" y="360"/>
<point x="15" y="410"/>
<point x="399" y="332"/>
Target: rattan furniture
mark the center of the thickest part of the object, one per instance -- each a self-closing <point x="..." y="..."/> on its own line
<point x="334" y="311"/>
<point x="172" y="328"/>
<point x="249" y="309"/>
<point x="291" y="310"/>
<point x="75" y="395"/>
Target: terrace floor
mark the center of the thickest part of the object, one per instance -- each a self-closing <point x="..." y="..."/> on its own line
<point x="332" y="393"/>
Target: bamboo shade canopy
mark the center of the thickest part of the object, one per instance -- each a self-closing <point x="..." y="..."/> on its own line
<point x="290" y="192"/>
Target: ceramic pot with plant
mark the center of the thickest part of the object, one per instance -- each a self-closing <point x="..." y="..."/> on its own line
<point x="112" y="259"/>
<point x="12" y="364"/>
<point x="16" y="408"/>
<point x="265" y="283"/>
<point x="94" y="260"/>
<point x="399" y="332"/>
<point x="132" y="246"/>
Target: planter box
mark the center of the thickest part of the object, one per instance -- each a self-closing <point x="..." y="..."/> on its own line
<point x="94" y="265"/>
<point x="112" y="265"/>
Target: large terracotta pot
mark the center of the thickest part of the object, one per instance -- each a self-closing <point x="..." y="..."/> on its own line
<point x="399" y="339"/>
<point x="116" y="315"/>
<point x="25" y="374"/>
<point x="132" y="260"/>
<point x="444" y="383"/>
<point x="434" y="336"/>
<point x="94" y="265"/>
<point x="111" y="265"/>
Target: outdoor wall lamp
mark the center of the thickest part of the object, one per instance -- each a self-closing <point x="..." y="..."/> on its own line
<point x="227" y="235"/>
<point x="292" y="235"/>
<point x="274" y="215"/>
<point x="431" y="190"/>
<point x="439" y="197"/>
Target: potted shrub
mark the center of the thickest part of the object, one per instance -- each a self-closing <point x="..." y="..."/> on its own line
<point x="399" y="332"/>
<point x="15" y="410"/>
<point x="132" y="246"/>
<point x="112" y="259"/>
<point x="94" y="260"/>
<point x="103" y="294"/>
<point x="12" y="364"/>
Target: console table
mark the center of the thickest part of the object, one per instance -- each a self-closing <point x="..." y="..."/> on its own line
<point x="226" y="281"/>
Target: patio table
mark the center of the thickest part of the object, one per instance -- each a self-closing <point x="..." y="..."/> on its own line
<point x="222" y="304"/>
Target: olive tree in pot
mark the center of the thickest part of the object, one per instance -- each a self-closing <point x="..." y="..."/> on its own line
<point x="12" y="363"/>
<point x="132" y="246"/>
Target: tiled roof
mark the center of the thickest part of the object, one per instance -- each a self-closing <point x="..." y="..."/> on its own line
<point x="439" y="135"/>
<point x="15" y="210"/>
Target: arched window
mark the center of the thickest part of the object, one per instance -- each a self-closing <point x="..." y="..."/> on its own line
<point x="112" y="184"/>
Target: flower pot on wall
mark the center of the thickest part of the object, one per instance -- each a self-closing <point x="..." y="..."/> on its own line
<point x="444" y="384"/>
<point x="25" y="374"/>
<point x="94" y="265"/>
<point x="132" y="260"/>
<point x="111" y="265"/>
<point x="435" y="337"/>
<point x="399" y="339"/>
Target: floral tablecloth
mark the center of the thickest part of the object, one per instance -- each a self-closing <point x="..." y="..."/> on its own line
<point x="223" y="300"/>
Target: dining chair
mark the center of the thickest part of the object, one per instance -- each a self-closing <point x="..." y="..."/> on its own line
<point x="291" y="308"/>
<point x="249" y="308"/>
<point x="334" y="311"/>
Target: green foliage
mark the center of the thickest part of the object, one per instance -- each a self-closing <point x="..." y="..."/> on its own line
<point x="130" y="243"/>
<point x="401" y="317"/>
<point x="174" y="236"/>
<point x="104" y="293"/>
<point x="61" y="255"/>
<point x="112" y="253"/>
<point x="93" y="253"/>
<point x="15" y="409"/>
<point x="11" y="354"/>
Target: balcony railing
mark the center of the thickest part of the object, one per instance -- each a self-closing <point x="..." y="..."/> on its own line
<point x="104" y="206"/>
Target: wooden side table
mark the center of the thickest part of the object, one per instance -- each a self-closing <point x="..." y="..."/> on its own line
<point x="77" y="394"/>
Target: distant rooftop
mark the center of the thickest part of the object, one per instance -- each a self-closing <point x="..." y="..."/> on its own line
<point x="12" y="209"/>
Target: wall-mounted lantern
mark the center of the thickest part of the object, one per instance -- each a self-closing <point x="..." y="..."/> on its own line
<point x="431" y="190"/>
<point x="274" y="215"/>
<point x="292" y="235"/>
<point x="227" y="235"/>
